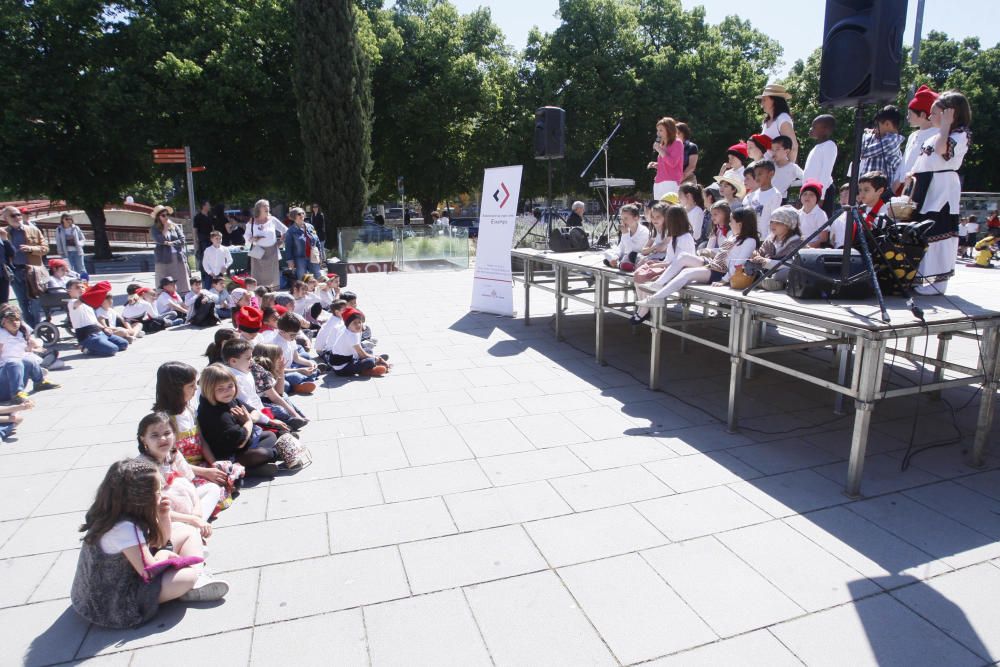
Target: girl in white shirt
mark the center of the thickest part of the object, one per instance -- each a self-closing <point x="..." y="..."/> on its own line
<point x="680" y="243"/>
<point x="694" y="203"/>
<point x="778" y="116"/>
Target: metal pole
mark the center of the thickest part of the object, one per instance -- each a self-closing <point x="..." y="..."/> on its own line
<point x="918" y="29"/>
<point x="190" y="189"/>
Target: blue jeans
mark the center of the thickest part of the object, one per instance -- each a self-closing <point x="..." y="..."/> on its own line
<point x="31" y="310"/>
<point x="15" y="374"/>
<point x="102" y="345"/>
<point x="295" y="379"/>
<point x="75" y="260"/>
<point x="302" y="266"/>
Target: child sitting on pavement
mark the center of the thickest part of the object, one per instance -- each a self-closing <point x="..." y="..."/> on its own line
<point x="169" y="305"/>
<point x="18" y="359"/>
<point x="93" y="337"/>
<point x="109" y="318"/>
<point x="347" y="357"/>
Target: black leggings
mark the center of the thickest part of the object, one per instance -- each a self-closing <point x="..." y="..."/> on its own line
<point x="262" y="453"/>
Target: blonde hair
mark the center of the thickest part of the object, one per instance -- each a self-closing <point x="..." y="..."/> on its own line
<point x="268" y="355"/>
<point x="259" y="204"/>
<point x="212" y="377"/>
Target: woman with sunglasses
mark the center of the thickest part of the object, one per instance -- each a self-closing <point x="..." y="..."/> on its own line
<point x="170" y="253"/>
<point x="69" y="242"/>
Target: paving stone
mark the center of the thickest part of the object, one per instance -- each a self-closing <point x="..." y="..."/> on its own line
<point x="434" y="445"/>
<point x="531" y="466"/>
<point x="339" y="636"/>
<point x="435" y="629"/>
<point x="726" y="592"/>
<point x="488" y="377"/>
<point x="881" y="475"/>
<point x="44" y="534"/>
<point x="636" y="613"/>
<point x="371" y="453"/>
<point x="825" y="582"/>
<point x="469" y="558"/>
<point x="252" y="545"/>
<point x="15" y="465"/>
<point x="480" y="412"/>
<point x="623" y="451"/>
<point x="21" y="576"/>
<point x="24" y="493"/>
<point x="177" y="620"/>
<point x="961" y="504"/>
<point x="403" y="421"/>
<point x="40" y="634"/>
<point x="334" y="583"/>
<point x="601" y="423"/>
<point x="532" y="620"/>
<point x="446" y="395"/>
<point x="962" y="604"/>
<point x="791" y="493"/>
<point x="397" y="385"/>
<point x="930" y="531"/>
<point x="491" y="438"/>
<point x="877" y="631"/>
<point x="325" y="495"/>
<point x="536" y="405"/>
<point x="249" y="507"/>
<point x="704" y="439"/>
<point x="58" y="581"/>
<point x="74" y="493"/>
<point x="474" y="510"/>
<point x="987" y="483"/>
<point x="754" y="649"/>
<point x="229" y="647"/>
<point x="576" y="538"/>
<point x="432" y="480"/>
<point x="549" y="430"/>
<point x="697" y="513"/>
<point x="689" y="473"/>
<point x="325" y="464"/>
<point x="382" y="525"/>
<point x="772" y="458"/>
<point x="610" y="487"/>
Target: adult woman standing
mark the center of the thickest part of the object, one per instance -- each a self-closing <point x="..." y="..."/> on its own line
<point x="262" y="235"/>
<point x="669" y="163"/>
<point x="69" y="242"/>
<point x="170" y="253"/>
<point x="302" y="246"/>
<point x="778" y="117"/>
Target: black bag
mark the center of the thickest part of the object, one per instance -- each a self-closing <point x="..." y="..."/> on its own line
<point x="204" y="313"/>
<point x="827" y="262"/>
<point x="153" y="324"/>
<point x="568" y="239"/>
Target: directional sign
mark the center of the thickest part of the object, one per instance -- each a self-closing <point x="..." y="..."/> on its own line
<point x="168" y="156"/>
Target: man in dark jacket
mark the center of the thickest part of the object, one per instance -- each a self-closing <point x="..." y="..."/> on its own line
<point x="319" y="222"/>
<point x="203" y="229"/>
<point x="575" y="218"/>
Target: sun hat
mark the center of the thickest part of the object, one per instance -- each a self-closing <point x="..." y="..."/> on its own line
<point x="158" y="208"/>
<point x="734" y="180"/>
<point x="671" y="198"/>
<point x="775" y="90"/>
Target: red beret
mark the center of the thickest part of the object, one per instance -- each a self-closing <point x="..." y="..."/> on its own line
<point x="923" y="100"/>
<point x="349" y="314"/>
<point x="281" y="310"/>
<point x="814" y="185"/>
<point x="249" y="319"/>
<point x="739" y="149"/>
<point x="143" y="290"/>
<point x="761" y="140"/>
<point x="94" y="295"/>
<point x="239" y="280"/>
<point x="56" y="262"/>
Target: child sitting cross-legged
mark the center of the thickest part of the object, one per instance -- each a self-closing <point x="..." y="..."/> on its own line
<point x="237" y="354"/>
<point x="169" y="305"/>
<point x="119" y="582"/>
<point x="200" y="305"/>
<point x="18" y="359"/>
<point x="331" y="330"/>
<point x="347" y="357"/>
<point x="300" y="371"/>
<point x="267" y="367"/>
<point x="93" y="337"/>
<point x="139" y="309"/>
<point x="783" y="241"/>
<point x="223" y="304"/>
<point x="109" y="318"/>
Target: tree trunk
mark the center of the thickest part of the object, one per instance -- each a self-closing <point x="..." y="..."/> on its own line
<point x="427" y="206"/>
<point x="102" y="246"/>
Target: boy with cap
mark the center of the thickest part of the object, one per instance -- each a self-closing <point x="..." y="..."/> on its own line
<point x="347" y="357"/>
<point x="168" y="304"/>
<point x="811" y="216"/>
<point x="918" y="113"/>
<point x="822" y="158"/>
<point x="736" y="158"/>
<point x="880" y="144"/>
<point x="93" y="337"/>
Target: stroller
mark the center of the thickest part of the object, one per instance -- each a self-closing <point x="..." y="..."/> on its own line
<point x="53" y="302"/>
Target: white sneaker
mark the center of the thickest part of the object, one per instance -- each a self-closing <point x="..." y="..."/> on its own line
<point x="206" y="589"/>
<point x="141" y="334"/>
<point x="57" y="365"/>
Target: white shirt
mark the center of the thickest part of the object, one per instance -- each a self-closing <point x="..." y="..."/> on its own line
<point x="81" y="315"/>
<point x="811" y="221"/>
<point x="763" y="202"/>
<point x="303" y="305"/>
<point x="819" y="163"/>
<point x="164" y="301"/>
<point x="785" y="177"/>
<point x="945" y="186"/>
<point x="269" y="337"/>
<point x="288" y="349"/>
<point x="328" y="333"/>
<point x="109" y="314"/>
<point x="630" y="243"/>
<point x="344" y="345"/>
<point x="269" y="231"/>
<point x="246" y="390"/>
<point x="914" y="142"/>
<point x="774" y="128"/>
<point x="139" y="310"/>
<point x="216" y="260"/>
<point x="695" y="217"/>
<point x="685" y="243"/>
<point x="122" y="536"/>
<point x="14" y="346"/>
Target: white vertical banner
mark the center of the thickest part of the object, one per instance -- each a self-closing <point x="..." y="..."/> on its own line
<point x="492" y="284"/>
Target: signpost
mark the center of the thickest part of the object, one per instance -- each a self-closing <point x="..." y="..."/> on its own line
<point x="181" y="156"/>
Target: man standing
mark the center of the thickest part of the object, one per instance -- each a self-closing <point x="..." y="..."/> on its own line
<point x="203" y="230"/>
<point x="319" y="222"/>
<point x="30" y="248"/>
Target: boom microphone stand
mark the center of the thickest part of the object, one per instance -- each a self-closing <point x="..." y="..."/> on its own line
<point x="607" y="188"/>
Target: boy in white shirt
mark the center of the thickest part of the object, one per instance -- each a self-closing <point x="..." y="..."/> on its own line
<point x="299" y="371"/>
<point x="786" y="172"/>
<point x="634" y="236"/>
<point x="811" y="216"/>
<point x="766" y="198"/>
<point x="822" y="158"/>
<point x="871" y="191"/>
<point x="93" y="337"/>
<point x="217" y="258"/>
<point x="306" y="304"/>
<point x="331" y="329"/>
<point x="347" y="357"/>
<point x="168" y="304"/>
<point x="108" y="317"/>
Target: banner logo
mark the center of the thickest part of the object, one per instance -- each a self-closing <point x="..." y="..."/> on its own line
<point x="506" y="194"/>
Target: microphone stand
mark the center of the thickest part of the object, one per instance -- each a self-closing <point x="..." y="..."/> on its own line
<point x="607" y="188"/>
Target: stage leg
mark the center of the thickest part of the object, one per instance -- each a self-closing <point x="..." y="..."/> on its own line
<point x="560" y="273"/>
<point x="942" y="352"/>
<point x="600" y="301"/>
<point x="987" y="402"/>
<point x="871" y="355"/>
<point x="840" y="357"/>
<point x="685" y="315"/>
<point x="655" y="349"/>
<point x="529" y="276"/>
<point x="739" y="331"/>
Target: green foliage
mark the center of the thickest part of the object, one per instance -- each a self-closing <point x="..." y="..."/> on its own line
<point x="333" y="89"/>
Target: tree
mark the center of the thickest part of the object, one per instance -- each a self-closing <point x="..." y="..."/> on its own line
<point x="333" y="90"/>
<point x="71" y="113"/>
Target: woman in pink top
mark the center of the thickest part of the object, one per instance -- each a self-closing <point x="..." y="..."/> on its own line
<point x="669" y="163"/>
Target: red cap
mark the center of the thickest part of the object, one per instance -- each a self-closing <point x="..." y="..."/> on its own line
<point x="143" y="290"/>
<point x="923" y="100"/>
<point x="94" y="295"/>
<point x="739" y="149"/>
<point x="239" y="280"/>
<point x="814" y="185"/>
<point x="761" y="140"/>
<point x="249" y="319"/>
<point x="349" y="314"/>
<point x="281" y="310"/>
<point x="56" y="263"/>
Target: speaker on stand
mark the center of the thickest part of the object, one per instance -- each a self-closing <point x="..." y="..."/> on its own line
<point x="550" y="144"/>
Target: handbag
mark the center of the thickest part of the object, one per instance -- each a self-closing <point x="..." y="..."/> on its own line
<point x="256" y="251"/>
<point x="292" y="452"/>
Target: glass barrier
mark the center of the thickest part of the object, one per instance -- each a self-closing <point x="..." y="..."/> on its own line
<point x="415" y="247"/>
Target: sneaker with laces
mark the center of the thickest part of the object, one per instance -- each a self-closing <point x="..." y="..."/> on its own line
<point x="19" y="398"/>
<point x="304" y="388"/>
<point x="45" y="385"/>
<point x="206" y="589"/>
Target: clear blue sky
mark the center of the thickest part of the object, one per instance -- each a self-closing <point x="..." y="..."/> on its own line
<point x="957" y="18"/>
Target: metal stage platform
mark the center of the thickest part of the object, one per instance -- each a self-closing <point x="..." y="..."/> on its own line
<point x="862" y="345"/>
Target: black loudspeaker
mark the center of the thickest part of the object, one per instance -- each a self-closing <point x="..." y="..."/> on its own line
<point x="802" y="285"/>
<point x="568" y="239"/>
<point x="550" y="135"/>
<point x="862" y="51"/>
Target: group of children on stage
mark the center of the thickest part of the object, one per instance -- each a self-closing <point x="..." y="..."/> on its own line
<point x="703" y="235"/>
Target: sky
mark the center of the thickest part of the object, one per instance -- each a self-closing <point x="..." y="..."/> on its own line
<point x="804" y="20"/>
